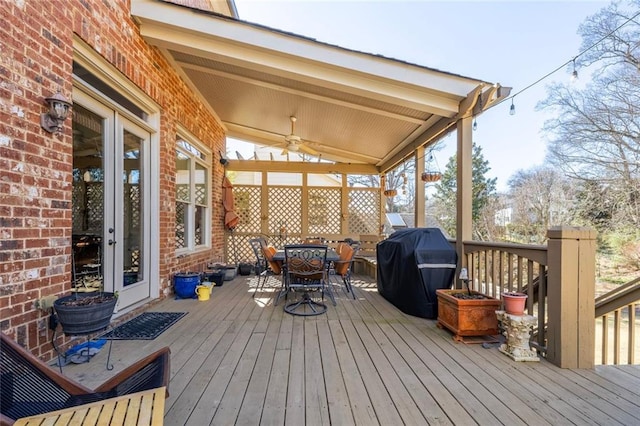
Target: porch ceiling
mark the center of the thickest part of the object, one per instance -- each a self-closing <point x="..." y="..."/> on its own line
<point x="351" y="107"/>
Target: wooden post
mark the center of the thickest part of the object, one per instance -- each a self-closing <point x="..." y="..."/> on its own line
<point x="571" y="297"/>
<point x="464" y="203"/>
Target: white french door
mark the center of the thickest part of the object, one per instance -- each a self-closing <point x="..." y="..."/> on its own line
<point x="111" y="223"/>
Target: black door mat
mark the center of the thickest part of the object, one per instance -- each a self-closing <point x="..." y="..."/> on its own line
<point x="146" y="326"/>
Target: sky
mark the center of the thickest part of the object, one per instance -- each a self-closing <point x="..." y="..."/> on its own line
<point x="514" y="43"/>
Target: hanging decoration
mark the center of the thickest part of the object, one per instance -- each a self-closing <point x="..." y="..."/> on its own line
<point x="432" y="171"/>
<point x="390" y="192"/>
<point x="404" y="183"/>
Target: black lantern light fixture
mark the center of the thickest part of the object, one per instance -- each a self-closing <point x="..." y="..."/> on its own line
<point x="59" y="108"/>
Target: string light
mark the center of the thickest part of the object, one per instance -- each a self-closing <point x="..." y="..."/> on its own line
<point x="512" y="108"/>
<point x="574" y="74"/>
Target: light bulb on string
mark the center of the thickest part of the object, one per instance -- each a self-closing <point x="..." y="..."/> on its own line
<point x="475" y="124"/>
<point x="512" y="108"/>
<point x="574" y="74"/>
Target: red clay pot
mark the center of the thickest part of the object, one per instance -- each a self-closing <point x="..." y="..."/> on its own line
<point x="514" y="302"/>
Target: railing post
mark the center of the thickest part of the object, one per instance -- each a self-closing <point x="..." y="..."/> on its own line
<point x="571" y="296"/>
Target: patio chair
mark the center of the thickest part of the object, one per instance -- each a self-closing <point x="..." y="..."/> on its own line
<point x="273" y="267"/>
<point x="342" y="268"/>
<point x="29" y="387"/>
<point x="306" y="271"/>
<point x="261" y="266"/>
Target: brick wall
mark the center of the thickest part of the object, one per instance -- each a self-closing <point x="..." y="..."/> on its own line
<point x="36" y="167"/>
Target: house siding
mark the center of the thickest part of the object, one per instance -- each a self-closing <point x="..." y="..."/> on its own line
<point x="36" y="55"/>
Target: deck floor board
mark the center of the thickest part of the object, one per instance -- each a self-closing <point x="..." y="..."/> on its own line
<point x="241" y="360"/>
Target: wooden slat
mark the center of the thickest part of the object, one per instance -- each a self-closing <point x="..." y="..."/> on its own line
<point x="240" y="360"/>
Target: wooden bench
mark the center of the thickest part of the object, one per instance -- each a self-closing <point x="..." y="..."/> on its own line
<point x="365" y="262"/>
<point x="142" y="409"/>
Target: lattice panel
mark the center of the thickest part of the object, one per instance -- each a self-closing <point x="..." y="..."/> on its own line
<point x="132" y="211"/>
<point x="324" y="211"/>
<point x="247" y="205"/>
<point x="364" y="211"/>
<point x="284" y="210"/>
<point x="135" y="258"/>
<point x="201" y="194"/>
<point x="94" y="207"/>
<point x="180" y="225"/>
<point x="182" y="192"/>
<point x="78" y="207"/>
<point x="238" y="248"/>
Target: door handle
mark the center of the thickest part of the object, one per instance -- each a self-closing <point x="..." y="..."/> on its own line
<point x="111" y="242"/>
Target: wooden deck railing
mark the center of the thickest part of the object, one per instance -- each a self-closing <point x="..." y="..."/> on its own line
<point x="618" y="325"/>
<point x="498" y="267"/>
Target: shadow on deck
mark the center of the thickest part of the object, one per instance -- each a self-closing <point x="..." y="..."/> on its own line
<point x="240" y="360"/>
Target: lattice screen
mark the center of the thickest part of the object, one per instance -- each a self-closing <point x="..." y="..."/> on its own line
<point x="284" y="210"/>
<point x="132" y="206"/>
<point x="183" y="192"/>
<point x="238" y="248"/>
<point x="247" y="205"/>
<point x="324" y="211"/>
<point x="181" y="209"/>
<point x="364" y="208"/>
<point x="87" y="207"/>
<point x="78" y="208"/>
<point x="94" y="207"/>
<point x="132" y="216"/>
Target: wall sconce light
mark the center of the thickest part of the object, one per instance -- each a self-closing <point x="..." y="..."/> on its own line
<point x="59" y="108"/>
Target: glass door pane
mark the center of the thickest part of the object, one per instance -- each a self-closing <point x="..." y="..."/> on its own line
<point x="88" y="198"/>
<point x="131" y="199"/>
<point x="133" y="231"/>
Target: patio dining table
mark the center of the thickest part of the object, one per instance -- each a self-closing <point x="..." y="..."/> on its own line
<point x="332" y="255"/>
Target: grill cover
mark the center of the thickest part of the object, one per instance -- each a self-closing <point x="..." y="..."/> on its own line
<point x="412" y="265"/>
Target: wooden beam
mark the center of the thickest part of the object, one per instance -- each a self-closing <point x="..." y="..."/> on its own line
<point x="299" y="167"/>
<point x="443" y="127"/>
<point x="467" y="104"/>
<point x="491" y="97"/>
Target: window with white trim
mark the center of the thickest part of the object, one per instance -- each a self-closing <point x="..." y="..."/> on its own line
<point x="193" y="189"/>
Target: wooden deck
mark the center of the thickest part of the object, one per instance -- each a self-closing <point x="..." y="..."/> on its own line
<point x="240" y="360"/>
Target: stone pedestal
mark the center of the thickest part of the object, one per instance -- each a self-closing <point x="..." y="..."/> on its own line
<point x="517" y="330"/>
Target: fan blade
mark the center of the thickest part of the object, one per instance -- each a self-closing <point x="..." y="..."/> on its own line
<point x="308" y="150"/>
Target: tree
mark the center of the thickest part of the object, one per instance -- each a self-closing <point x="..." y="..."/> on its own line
<point x="538" y="198"/>
<point x="401" y="179"/>
<point x="595" y="132"/>
<point x="483" y="193"/>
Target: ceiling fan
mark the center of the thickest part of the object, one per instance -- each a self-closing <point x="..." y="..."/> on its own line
<point x="294" y="143"/>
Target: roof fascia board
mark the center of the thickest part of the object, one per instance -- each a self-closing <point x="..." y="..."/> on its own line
<point x="288" y="66"/>
<point x="231" y="40"/>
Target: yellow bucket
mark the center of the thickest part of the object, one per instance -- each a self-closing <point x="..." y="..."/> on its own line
<point x="203" y="292"/>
